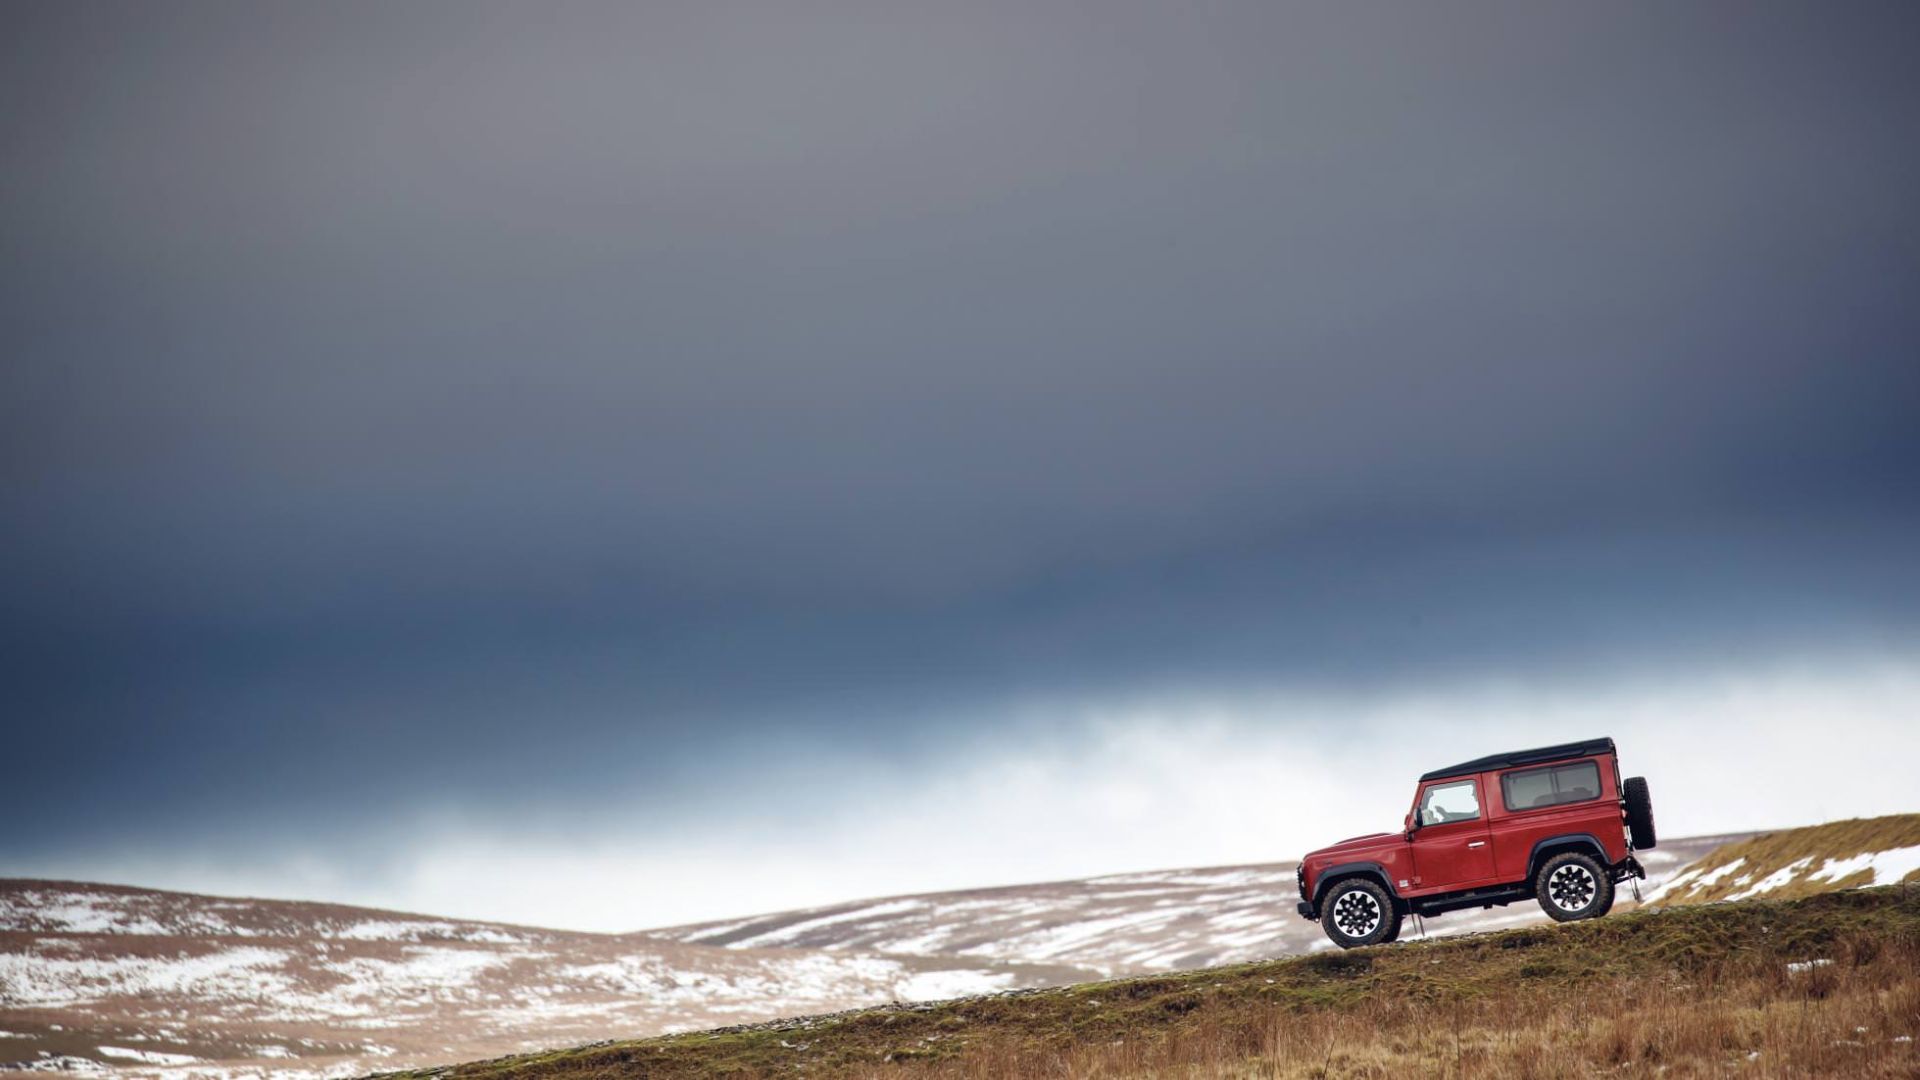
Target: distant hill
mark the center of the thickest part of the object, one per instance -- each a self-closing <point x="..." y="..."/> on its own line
<point x="104" y="980"/>
<point x="1119" y="925"/>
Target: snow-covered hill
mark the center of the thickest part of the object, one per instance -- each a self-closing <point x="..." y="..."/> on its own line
<point x="113" y="981"/>
<point x="1121" y="925"/>
<point x="104" y="980"/>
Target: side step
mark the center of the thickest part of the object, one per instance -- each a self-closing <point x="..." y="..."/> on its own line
<point x="1490" y="897"/>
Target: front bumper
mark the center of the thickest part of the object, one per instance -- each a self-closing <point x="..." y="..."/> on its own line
<point x="1307" y="911"/>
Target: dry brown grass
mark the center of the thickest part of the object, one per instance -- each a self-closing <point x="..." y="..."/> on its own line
<point x="1757" y="1020"/>
<point x="1687" y="992"/>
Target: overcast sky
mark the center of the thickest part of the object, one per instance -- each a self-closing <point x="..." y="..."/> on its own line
<point x="607" y="465"/>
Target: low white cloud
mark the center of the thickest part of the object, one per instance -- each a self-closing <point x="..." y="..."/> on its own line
<point x="1180" y="780"/>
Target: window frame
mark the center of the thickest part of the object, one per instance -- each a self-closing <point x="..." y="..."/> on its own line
<point x="1552" y="771"/>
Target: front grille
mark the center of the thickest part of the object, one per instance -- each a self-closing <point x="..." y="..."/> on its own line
<point x="1300" y="876"/>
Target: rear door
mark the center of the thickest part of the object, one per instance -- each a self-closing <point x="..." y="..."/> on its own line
<point x="1450" y="847"/>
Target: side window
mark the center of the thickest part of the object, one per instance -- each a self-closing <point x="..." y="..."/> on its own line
<point x="1527" y="789"/>
<point x="1449" y="802"/>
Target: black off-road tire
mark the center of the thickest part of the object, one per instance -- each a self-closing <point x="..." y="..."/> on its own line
<point x="1358" y="911"/>
<point x="1573" y="885"/>
<point x="1639" y="813"/>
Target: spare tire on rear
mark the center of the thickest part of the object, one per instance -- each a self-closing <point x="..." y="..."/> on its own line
<point x="1639" y="813"/>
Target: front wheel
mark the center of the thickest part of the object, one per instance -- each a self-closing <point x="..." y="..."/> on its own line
<point x="1573" y="886"/>
<point x="1359" y="912"/>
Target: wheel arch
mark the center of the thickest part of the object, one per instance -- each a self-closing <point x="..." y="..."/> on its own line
<point x="1334" y="875"/>
<point x="1585" y="843"/>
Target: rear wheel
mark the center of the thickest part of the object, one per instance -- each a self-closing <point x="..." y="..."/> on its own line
<point x="1573" y="885"/>
<point x="1639" y="813"/>
<point x="1359" y="912"/>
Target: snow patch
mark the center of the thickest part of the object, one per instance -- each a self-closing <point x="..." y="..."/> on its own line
<point x="945" y="985"/>
<point x="38" y="982"/>
<point x="1888" y="866"/>
<point x="793" y="931"/>
<point x="1780" y="878"/>
<point x="415" y="930"/>
<point x="1713" y="877"/>
<point x="147" y="1057"/>
<point x="65" y="1063"/>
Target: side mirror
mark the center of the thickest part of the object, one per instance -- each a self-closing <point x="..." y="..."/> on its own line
<point x="1413" y="825"/>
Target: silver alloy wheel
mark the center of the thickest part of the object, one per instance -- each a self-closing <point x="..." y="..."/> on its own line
<point x="1572" y="887"/>
<point x="1356" y="913"/>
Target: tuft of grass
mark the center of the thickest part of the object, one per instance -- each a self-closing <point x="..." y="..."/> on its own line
<point x="1805" y="850"/>
<point x="1682" y="991"/>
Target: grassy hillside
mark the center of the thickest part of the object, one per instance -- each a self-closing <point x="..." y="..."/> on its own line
<point x="1825" y="985"/>
<point x="1801" y="862"/>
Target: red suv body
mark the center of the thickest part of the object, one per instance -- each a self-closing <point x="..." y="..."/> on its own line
<point x="1556" y="824"/>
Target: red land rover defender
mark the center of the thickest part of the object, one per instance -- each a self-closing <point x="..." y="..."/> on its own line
<point x="1555" y="824"/>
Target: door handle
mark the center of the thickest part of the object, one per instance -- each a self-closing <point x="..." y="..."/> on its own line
<point x="1476" y="843"/>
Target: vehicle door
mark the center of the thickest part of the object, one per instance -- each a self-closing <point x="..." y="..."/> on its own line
<point x="1450" y="848"/>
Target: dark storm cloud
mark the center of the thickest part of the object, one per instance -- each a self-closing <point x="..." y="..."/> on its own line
<point x="418" y="401"/>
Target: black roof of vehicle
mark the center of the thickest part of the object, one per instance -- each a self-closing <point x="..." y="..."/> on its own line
<point x="1523" y="757"/>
